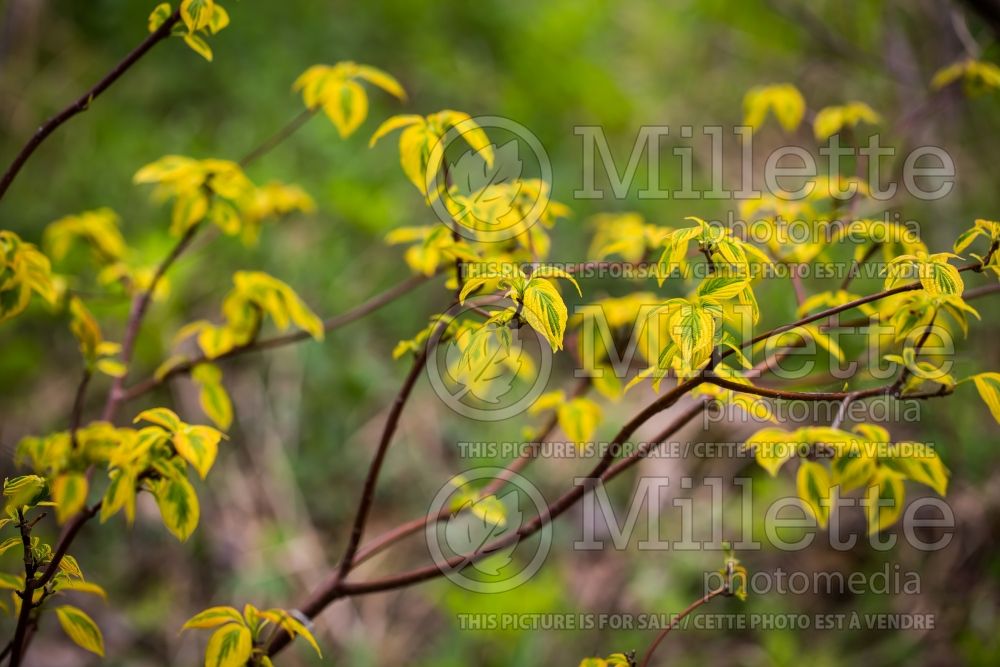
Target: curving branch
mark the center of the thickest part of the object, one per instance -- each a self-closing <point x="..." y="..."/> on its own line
<point x="388" y="431"/>
<point x="676" y="621"/>
<point x="278" y="137"/>
<point x="881" y="390"/>
<point x="607" y="468"/>
<point x="82" y="103"/>
<point x="834" y="310"/>
<point x="336" y="588"/>
<point x="140" y="304"/>
<point x="335" y="322"/>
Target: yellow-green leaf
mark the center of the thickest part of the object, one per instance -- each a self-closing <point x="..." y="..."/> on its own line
<point x="69" y="492"/>
<point x="119" y="495"/>
<point x="813" y="486"/>
<point x="579" y="418"/>
<point x="178" y="505"/>
<point x="772" y="448"/>
<point x="197" y="14"/>
<point x="887" y="488"/>
<point x="201" y="47"/>
<point x="545" y="312"/>
<point x="988" y="386"/>
<point x="212" y="617"/>
<point x="230" y="646"/>
<point x="212" y="395"/>
<point x="159" y="15"/>
<point x="919" y="462"/>
<point x="81" y="587"/>
<point x="163" y="417"/>
<point x="198" y="445"/>
<point x="22" y="490"/>
<point x="11" y="582"/>
<point x="292" y="626"/>
<point x="80" y="628"/>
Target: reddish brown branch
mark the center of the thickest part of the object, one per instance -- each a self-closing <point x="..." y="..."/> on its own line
<point x="83" y="102"/>
<point x="676" y="621"/>
<point x="27" y="595"/>
<point x="335" y="322"/>
<point x="140" y="304"/>
<point x="76" y="415"/>
<point x="336" y="588"/>
<point x="278" y="137"/>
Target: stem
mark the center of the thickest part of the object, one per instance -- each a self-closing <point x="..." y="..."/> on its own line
<point x="27" y="595"/>
<point x="331" y="591"/>
<point x="677" y="619"/>
<point x="905" y="373"/>
<point x="552" y="511"/>
<point x="391" y="422"/>
<point x="335" y="322"/>
<point x="278" y="137"/>
<point x="384" y="541"/>
<point x="856" y="265"/>
<point x="839" y="309"/>
<point x="83" y="102"/>
<point x="65" y="540"/>
<point x="842" y="411"/>
<point x="140" y="304"/>
<point x="77" y="415"/>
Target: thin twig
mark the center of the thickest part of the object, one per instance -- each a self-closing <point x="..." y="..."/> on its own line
<point x="842" y="411"/>
<point x="278" y="137"/>
<point x="388" y="431"/>
<point x="904" y="375"/>
<point x="27" y="595"/>
<point x="83" y="102"/>
<point x="604" y="471"/>
<point x="336" y="588"/>
<point x="855" y="269"/>
<point x="676" y="621"/>
<point x="140" y="304"/>
<point x="77" y="414"/>
<point x="335" y="322"/>
<point x="877" y="296"/>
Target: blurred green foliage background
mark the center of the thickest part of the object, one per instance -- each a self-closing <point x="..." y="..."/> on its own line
<point x="276" y="509"/>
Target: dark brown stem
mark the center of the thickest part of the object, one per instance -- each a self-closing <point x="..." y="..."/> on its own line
<point x="842" y="411"/>
<point x="981" y="266"/>
<point x="384" y="541"/>
<point x="829" y="312"/>
<point x="388" y="431"/>
<point x="83" y="102"/>
<point x="69" y="533"/>
<point x="278" y="137"/>
<point x="140" y="304"/>
<point x="604" y="471"/>
<point x="77" y="414"/>
<point x="856" y="265"/>
<point x="335" y="322"/>
<point x="677" y="619"/>
<point x="882" y="390"/>
<point x="27" y="595"/>
<point x="977" y="292"/>
<point x="904" y="375"/>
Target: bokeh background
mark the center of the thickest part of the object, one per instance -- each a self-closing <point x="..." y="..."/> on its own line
<point x="276" y="508"/>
